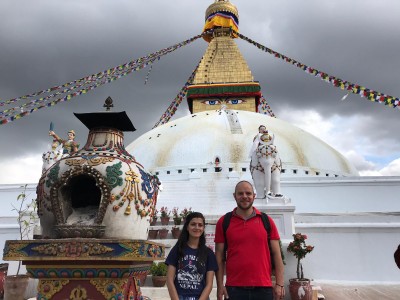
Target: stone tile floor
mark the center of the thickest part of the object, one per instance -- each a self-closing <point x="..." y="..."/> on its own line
<point x="331" y="291"/>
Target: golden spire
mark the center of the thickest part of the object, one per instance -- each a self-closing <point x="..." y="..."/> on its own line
<point x="223" y="78"/>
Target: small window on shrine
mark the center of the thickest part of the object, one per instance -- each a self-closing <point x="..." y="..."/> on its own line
<point x="336" y="175"/>
<point x="294" y="171"/>
<point x="230" y="169"/>
<point x="327" y="175"/>
<point x="243" y="169"/>
<point x="179" y="171"/>
<point x="317" y="173"/>
<point x="204" y="170"/>
<point x="168" y="172"/>
<point x="283" y="171"/>
<point x="306" y="172"/>
<point x="191" y="170"/>
<point x="157" y="173"/>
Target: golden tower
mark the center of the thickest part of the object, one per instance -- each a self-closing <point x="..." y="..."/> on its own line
<point x="223" y="77"/>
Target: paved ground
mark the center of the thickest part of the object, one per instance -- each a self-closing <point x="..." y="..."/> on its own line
<point x="329" y="290"/>
<point x="358" y="292"/>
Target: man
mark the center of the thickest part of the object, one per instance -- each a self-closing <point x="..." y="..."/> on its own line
<point x="248" y="265"/>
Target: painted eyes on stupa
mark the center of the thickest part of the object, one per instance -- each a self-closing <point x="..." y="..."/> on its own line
<point x="211" y="102"/>
<point x="229" y="101"/>
<point x="235" y="101"/>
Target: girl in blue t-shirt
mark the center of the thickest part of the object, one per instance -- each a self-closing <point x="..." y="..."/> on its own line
<point x="191" y="264"/>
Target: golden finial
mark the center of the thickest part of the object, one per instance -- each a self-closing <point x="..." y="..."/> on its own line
<point x="108" y="103"/>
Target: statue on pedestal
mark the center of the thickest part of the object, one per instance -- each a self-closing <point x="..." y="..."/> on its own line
<point x="69" y="146"/>
<point x="59" y="148"/>
<point x="265" y="164"/>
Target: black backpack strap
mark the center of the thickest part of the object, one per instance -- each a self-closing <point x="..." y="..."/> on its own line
<point x="225" y="225"/>
<point x="267" y="226"/>
<point x="266" y="223"/>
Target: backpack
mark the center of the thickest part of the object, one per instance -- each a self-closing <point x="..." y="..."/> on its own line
<point x="267" y="226"/>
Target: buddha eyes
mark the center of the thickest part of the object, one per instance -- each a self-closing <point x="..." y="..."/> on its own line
<point x="234" y="101"/>
<point x="229" y="101"/>
<point x="211" y="102"/>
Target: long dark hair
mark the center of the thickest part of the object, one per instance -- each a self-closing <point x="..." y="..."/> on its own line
<point x="202" y="250"/>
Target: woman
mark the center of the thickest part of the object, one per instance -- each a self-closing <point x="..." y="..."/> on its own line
<point x="191" y="264"/>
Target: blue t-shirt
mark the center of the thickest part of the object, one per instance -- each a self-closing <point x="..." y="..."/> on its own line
<point x="188" y="281"/>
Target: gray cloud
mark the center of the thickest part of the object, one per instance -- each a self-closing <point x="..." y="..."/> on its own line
<point x="46" y="43"/>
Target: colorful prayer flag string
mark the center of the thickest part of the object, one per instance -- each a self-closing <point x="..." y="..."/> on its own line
<point x="264" y="107"/>
<point x="172" y="108"/>
<point x="83" y="85"/>
<point x="337" y="82"/>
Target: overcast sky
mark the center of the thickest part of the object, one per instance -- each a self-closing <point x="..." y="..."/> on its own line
<point x="44" y="43"/>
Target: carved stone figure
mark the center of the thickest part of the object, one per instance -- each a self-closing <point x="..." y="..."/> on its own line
<point x="265" y="164"/>
<point x="69" y="146"/>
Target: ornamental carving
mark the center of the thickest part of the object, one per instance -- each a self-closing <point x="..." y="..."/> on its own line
<point x="114" y="173"/>
<point x="48" y="288"/>
<point x="78" y="293"/>
<point x="110" y="288"/>
<point x="131" y="192"/>
<point x="94" y="161"/>
<point x="72" y="249"/>
<point x="53" y="175"/>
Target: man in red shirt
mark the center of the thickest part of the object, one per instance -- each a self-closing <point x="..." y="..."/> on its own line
<point x="248" y="265"/>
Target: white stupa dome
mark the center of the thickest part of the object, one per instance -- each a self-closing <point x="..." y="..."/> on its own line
<point x="192" y="144"/>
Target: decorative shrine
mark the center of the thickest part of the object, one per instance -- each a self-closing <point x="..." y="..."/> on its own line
<point x="95" y="207"/>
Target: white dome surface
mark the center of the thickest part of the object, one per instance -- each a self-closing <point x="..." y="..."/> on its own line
<point x="196" y="140"/>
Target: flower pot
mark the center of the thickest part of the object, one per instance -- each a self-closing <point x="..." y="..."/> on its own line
<point x="177" y="221"/>
<point x="15" y="287"/>
<point x="159" y="281"/>
<point x="162" y="233"/>
<point x="176" y="232"/>
<point x="164" y="220"/>
<point x="3" y="274"/>
<point x="300" y="289"/>
<point x="142" y="278"/>
<point x="153" y="221"/>
<point x="153" y="234"/>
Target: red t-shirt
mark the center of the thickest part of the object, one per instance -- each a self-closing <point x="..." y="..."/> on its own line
<point x="248" y="258"/>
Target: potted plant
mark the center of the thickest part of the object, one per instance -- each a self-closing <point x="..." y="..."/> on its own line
<point x="154" y="217"/>
<point x="152" y="234"/>
<point x="300" y="287"/>
<point x="163" y="232"/>
<point x="176" y="216"/>
<point x="176" y="232"/>
<point x="15" y="285"/>
<point x="158" y="274"/>
<point x="185" y="212"/>
<point x="165" y="215"/>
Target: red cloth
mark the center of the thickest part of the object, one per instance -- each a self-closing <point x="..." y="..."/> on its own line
<point x="248" y="258"/>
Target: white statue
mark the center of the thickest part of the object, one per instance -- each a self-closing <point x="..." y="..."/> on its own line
<point x="265" y="164"/>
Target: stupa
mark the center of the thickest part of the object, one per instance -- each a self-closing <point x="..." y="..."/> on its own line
<point x="199" y="158"/>
<point x="95" y="207"/>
